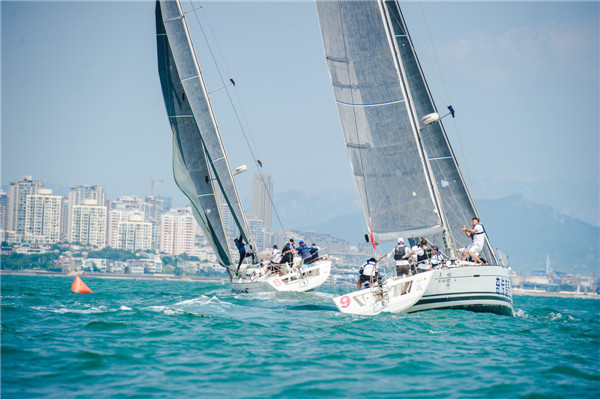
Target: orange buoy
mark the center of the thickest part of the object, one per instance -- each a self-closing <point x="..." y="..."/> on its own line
<point x="79" y="286"/>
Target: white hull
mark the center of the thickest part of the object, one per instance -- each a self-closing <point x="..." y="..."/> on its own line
<point x="295" y="280"/>
<point x="476" y="288"/>
<point x="470" y="287"/>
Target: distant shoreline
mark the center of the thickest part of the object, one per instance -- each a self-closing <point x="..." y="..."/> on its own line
<point x="164" y="277"/>
<point x="522" y="292"/>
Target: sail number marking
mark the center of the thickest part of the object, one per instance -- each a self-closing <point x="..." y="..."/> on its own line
<point x="345" y="301"/>
<point x="503" y="287"/>
<point x="277" y="282"/>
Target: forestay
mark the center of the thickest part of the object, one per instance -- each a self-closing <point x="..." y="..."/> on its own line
<point x="200" y="164"/>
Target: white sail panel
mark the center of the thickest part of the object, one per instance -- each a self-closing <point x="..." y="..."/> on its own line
<point x="379" y="130"/>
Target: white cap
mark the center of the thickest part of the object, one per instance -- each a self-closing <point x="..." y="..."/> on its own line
<point x="400" y="239"/>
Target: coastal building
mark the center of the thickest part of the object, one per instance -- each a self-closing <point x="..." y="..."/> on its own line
<point x="205" y="253"/>
<point x="178" y="232"/>
<point x="95" y="264"/>
<point x="258" y="234"/>
<point x="117" y="266"/>
<point x="154" y="207"/>
<point x="119" y="212"/>
<point x="133" y="234"/>
<point x="42" y="217"/>
<point x="18" y="192"/>
<point x="195" y="267"/>
<point x="88" y="195"/>
<point x="231" y="229"/>
<point x="88" y="223"/>
<point x="139" y="266"/>
<point x="3" y="211"/>
<point x="262" y="194"/>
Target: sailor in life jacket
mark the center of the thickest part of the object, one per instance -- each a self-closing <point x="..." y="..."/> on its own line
<point x="477" y="236"/>
<point x="437" y="259"/>
<point x="400" y="255"/>
<point x="368" y="273"/>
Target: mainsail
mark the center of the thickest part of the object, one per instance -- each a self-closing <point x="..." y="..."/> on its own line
<point x="200" y="165"/>
<point x="408" y="179"/>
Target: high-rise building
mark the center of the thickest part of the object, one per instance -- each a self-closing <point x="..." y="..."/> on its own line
<point x="134" y="234"/>
<point x="229" y="225"/>
<point x="42" y="217"/>
<point x="154" y="207"/>
<point x="87" y="192"/>
<point x="258" y="234"/>
<point x="120" y="211"/>
<point x="17" y="201"/>
<point x="262" y="195"/>
<point x="178" y="232"/>
<point x="3" y="211"/>
<point x="88" y="223"/>
<point x="90" y="194"/>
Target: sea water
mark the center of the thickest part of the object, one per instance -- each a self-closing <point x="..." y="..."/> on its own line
<point x="175" y="339"/>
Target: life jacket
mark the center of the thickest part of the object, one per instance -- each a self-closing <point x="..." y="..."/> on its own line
<point x="436" y="259"/>
<point x="472" y="235"/>
<point x="370" y="268"/>
<point x="304" y="251"/>
<point x="240" y="246"/>
<point x="399" y="252"/>
<point x="426" y="255"/>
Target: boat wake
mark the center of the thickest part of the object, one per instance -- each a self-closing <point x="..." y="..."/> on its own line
<point x="192" y="306"/>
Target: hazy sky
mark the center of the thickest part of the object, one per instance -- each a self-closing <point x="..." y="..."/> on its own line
<point x="82" y="104"/>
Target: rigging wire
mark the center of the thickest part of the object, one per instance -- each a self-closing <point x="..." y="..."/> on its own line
<point x="226" y="67"/>
<point x="223" y="80"/>
<point x="445" y="89"/>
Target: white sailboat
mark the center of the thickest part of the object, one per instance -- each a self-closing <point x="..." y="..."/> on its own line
<point x="200" y="165"/>
<point x="406" y="172"/>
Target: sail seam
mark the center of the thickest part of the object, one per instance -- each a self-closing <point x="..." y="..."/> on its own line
<point x="173" y="19"/>
<point x="372" y="104"/>
<point x="443" y="157"/>
<point x="188" y="78"/>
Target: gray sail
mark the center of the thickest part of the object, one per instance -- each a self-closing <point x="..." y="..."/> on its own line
<point x="200" y="165"/>
<point x="372" y="61"/>
<point x="379" y="129"/>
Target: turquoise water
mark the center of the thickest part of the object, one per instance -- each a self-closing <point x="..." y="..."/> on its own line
<point x="134" y="339"/>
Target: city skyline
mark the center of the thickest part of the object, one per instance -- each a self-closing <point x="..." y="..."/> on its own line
<point x="88" y="216"/>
